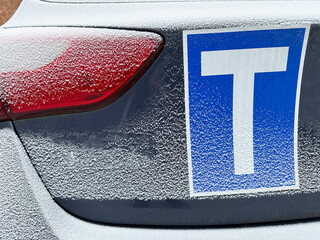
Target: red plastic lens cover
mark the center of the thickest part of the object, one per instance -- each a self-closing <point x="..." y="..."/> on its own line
<point x="57" y="70"/>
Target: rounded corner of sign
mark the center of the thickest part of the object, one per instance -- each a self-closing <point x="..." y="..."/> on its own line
<point x="192" y="193"/>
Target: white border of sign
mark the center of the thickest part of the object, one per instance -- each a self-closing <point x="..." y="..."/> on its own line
<point x="186" y="87"/>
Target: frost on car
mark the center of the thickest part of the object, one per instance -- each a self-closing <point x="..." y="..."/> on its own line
<point x="194" y="137"/>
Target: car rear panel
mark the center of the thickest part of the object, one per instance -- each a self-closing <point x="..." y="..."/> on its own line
<point x="127" y="163"/>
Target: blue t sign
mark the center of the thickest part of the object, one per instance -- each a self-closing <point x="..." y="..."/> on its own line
<point x="242" y="89"/>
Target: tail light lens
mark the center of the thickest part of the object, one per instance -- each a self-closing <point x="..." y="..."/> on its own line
<point x="55" y="70"/>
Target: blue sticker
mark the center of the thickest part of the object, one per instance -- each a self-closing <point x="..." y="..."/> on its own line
<point x="242" y="90"/>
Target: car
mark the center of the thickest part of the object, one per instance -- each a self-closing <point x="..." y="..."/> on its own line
<point x="160" y="120"/>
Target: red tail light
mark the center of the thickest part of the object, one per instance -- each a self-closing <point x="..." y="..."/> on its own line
<point x="78" y="69"/>
<point x="3" y="114"/>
